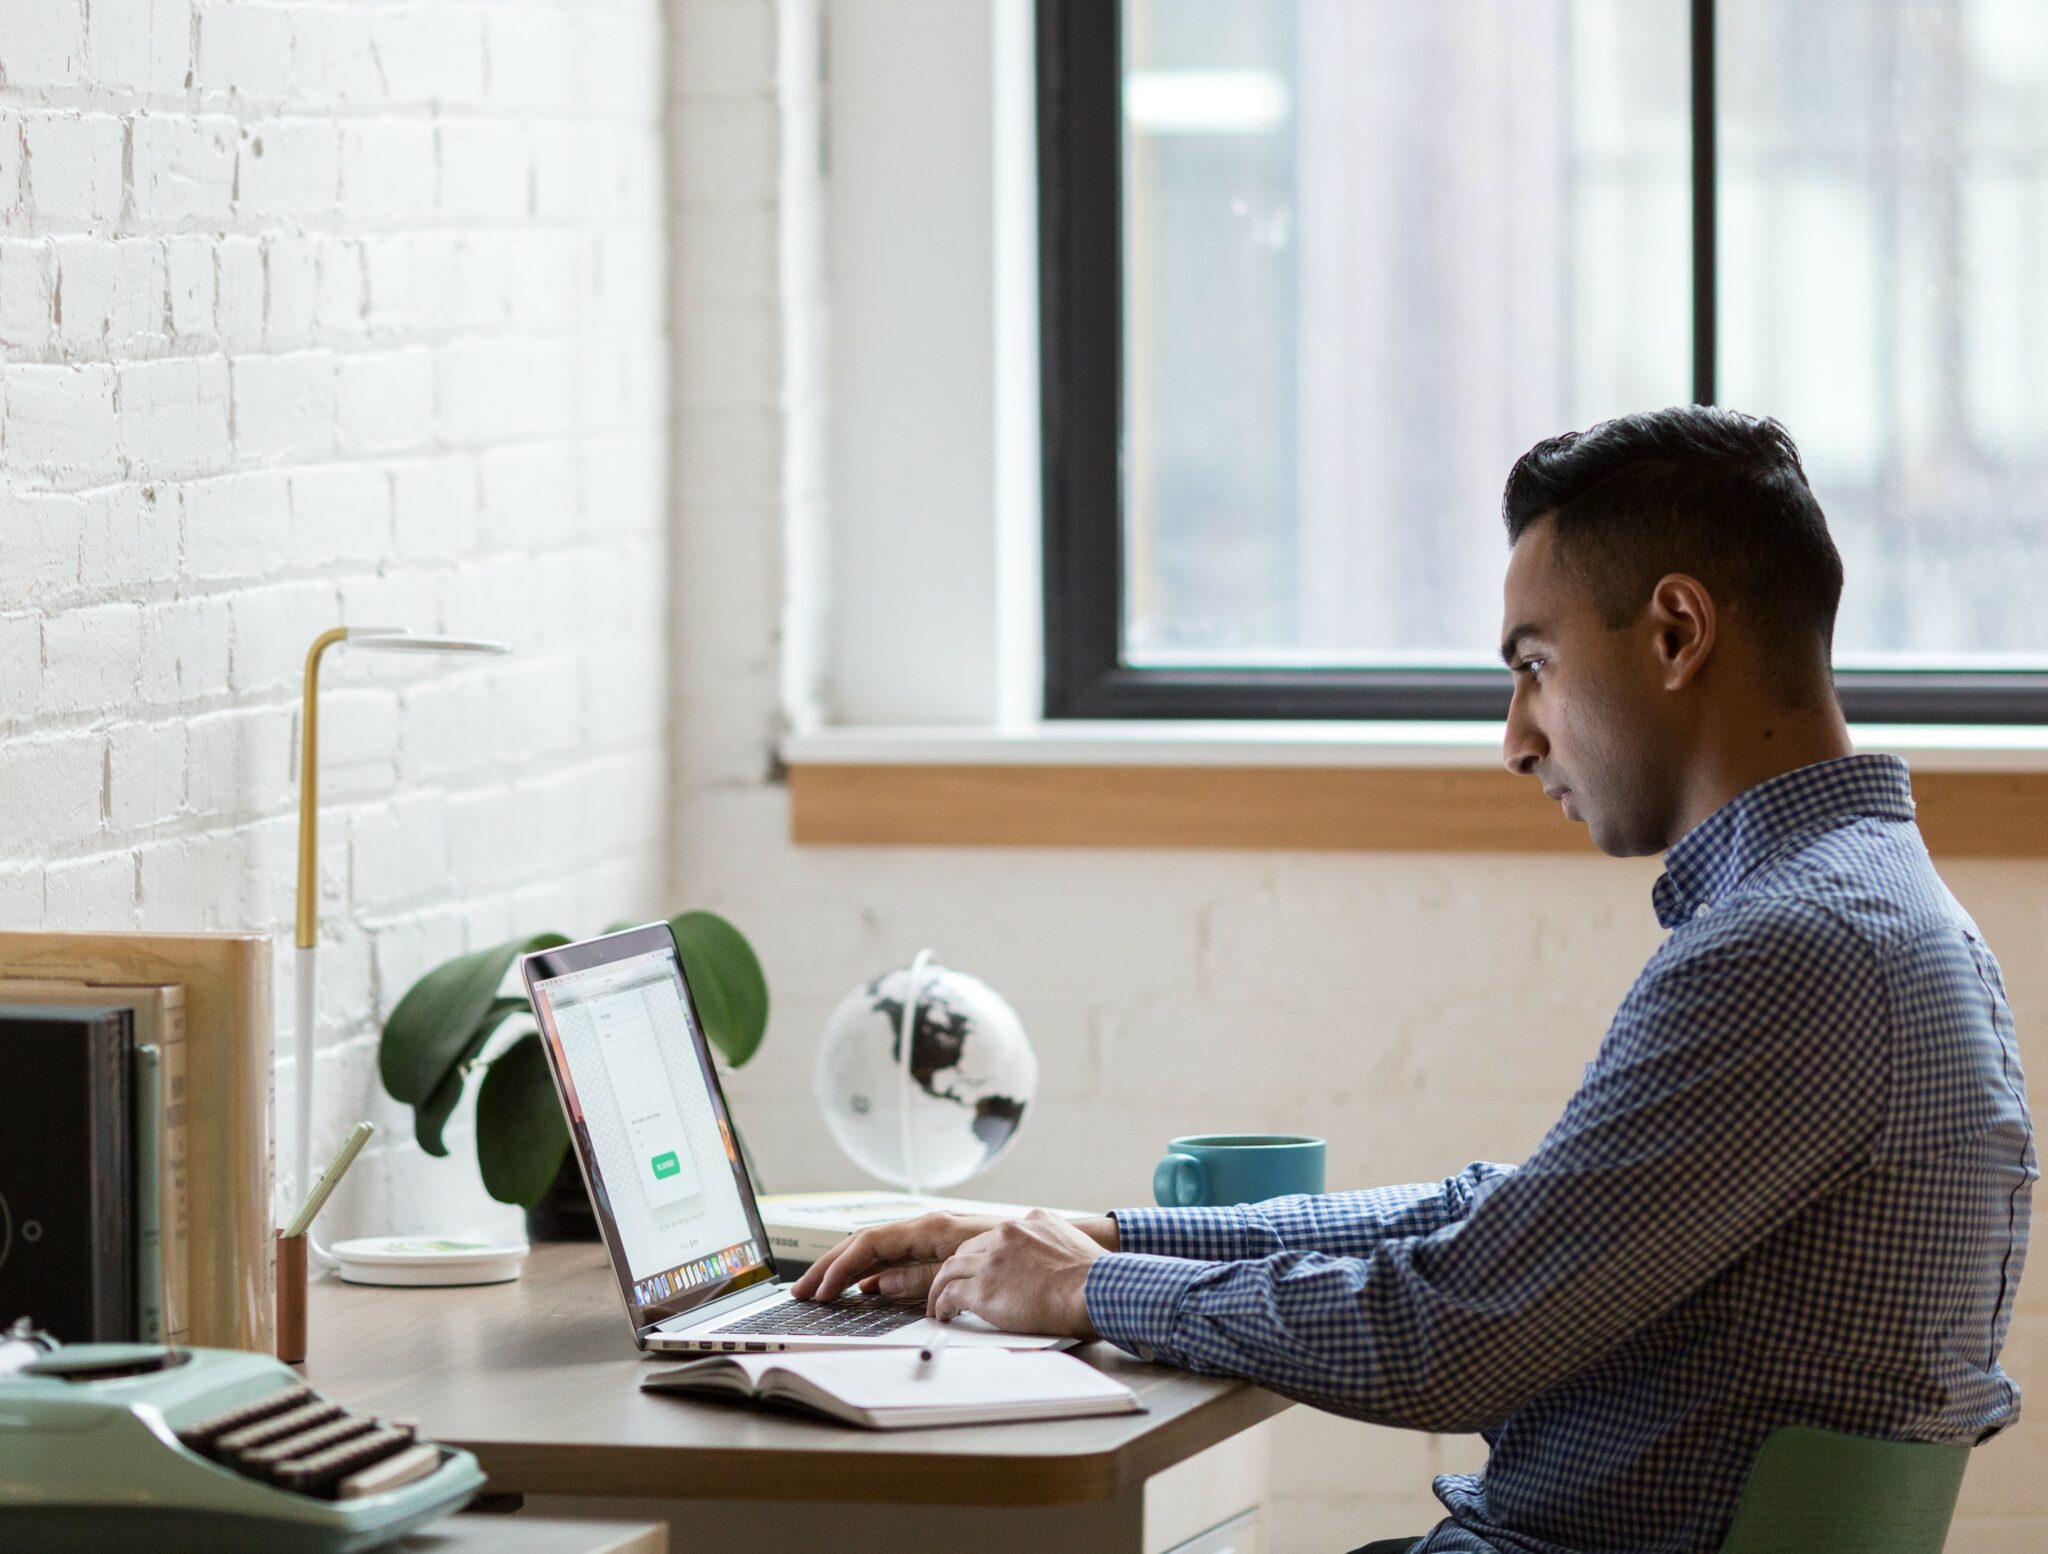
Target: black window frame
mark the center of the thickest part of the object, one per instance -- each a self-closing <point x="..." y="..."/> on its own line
<point x="1080" y="176"/>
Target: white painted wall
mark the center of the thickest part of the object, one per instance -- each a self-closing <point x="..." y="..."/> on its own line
<point x="319" y="313"/>
<point x="930" y="246"/>
<point x="1419" y="1011"/>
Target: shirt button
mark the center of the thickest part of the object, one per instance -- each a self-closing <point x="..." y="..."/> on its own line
<point x="1701" y="910"/>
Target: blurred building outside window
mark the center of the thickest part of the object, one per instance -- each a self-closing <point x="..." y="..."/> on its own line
<point x="1372" y="250"/>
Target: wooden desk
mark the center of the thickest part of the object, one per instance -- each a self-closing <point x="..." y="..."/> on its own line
<point x="540" y="1380"/>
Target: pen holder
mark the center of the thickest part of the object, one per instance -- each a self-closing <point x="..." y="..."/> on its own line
<point x="291" y="1299"/>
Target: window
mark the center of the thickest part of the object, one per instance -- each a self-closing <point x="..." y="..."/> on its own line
<point x="1315" y="271"/>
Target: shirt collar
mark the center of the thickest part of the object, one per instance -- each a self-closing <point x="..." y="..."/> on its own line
<point x="1721" y="851"/>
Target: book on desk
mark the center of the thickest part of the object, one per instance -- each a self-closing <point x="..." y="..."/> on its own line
<point x="894" y="1389"/>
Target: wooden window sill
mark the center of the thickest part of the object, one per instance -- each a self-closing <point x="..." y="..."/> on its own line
<point x="1327" y="791"/>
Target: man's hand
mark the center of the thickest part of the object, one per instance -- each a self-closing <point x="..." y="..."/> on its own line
<point x="1024" y="1275"/>
<point x="901" y="1260"/>
<point x="896" y="1260"/>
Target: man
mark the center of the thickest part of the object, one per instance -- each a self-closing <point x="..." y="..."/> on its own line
<point x="1794" y="1185"/>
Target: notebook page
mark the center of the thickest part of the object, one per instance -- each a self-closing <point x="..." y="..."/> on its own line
<point x="960" y="1378"/>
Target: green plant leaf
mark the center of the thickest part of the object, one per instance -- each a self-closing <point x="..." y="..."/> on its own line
<point x="520" y="1139"/>
<point x="433" y="1026"/>
<point x="726" y="981"/>
<point x="431" y="1115"/>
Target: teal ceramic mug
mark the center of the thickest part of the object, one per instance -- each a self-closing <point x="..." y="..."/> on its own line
<point x="1218" y="1168"/>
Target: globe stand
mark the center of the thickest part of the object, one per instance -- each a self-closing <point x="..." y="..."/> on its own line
<point x="914" y="1180"/>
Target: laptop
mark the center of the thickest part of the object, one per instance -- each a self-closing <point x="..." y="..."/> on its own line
<point x="655" y="1142"/>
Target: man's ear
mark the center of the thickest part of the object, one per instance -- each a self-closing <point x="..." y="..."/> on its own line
<point x="1682" y="625"/>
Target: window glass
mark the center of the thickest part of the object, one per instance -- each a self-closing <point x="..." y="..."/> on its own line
<point x="1884" y="292"/>
<point x="1372" y="251"/>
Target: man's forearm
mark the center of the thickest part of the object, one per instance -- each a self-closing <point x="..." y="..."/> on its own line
<point x="1338" y="1224"/>
<point x="1102" y="1231"/>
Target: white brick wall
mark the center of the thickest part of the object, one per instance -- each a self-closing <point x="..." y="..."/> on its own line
<point x="298" y="330"/>
<point x="1419" y="1012"/>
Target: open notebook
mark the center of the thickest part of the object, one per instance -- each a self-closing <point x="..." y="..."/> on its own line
<point x="892" y="1389"/>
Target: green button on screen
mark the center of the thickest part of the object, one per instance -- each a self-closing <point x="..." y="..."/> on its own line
<point x="667" y="1165"/>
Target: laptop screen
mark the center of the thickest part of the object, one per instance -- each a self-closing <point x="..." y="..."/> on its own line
<point x="651" y="1127"/>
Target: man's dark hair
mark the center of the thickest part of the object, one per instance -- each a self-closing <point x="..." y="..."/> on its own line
<point x="1701" y="490"/>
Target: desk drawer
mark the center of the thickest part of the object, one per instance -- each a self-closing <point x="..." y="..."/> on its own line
<point x="1239" y="1535"/>
<point x="1212" y="1494"/>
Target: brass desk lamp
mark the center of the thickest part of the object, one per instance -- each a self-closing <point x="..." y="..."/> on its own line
<point x="382" y="639"/>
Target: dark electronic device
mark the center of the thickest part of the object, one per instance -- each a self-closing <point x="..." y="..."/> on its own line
<point x="67" y="1169"/>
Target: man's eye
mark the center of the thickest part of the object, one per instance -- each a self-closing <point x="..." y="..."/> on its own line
<point x="1529" y="667"/>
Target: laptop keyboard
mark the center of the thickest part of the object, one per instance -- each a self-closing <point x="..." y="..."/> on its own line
<point x="853" y="1317"/>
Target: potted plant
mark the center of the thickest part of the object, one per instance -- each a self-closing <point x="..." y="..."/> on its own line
<point x="437" y="1035"/>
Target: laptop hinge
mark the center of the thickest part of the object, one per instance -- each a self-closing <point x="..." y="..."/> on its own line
<point x="717" y="1308"/>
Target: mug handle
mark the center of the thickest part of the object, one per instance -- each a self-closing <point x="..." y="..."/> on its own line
<point x="1177" y="1182"/>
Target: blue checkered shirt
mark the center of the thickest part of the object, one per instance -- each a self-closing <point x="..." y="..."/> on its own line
<point x="1793" y="1188"/>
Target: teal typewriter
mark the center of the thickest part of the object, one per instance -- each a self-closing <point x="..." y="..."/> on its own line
<point x="106" y="1446"/>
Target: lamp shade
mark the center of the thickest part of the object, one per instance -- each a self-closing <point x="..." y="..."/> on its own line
<point x="406" y="642"/>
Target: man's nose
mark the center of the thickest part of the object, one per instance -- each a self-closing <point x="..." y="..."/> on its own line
<point x="1522" y="744"/>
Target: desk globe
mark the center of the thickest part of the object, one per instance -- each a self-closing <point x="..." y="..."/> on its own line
<point x="936" y="1114"/>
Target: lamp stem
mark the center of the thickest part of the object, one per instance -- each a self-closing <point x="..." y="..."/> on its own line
<point x="309" y="792"/>
<point x="306" y="958"/>
<point x="306" y="980"/>
<point x="306" y="955"/>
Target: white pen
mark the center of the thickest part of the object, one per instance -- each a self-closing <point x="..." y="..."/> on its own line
<point x="928" y="1357"/>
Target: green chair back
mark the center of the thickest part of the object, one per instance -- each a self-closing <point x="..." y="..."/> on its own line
<point x="1819" y="1492"/>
